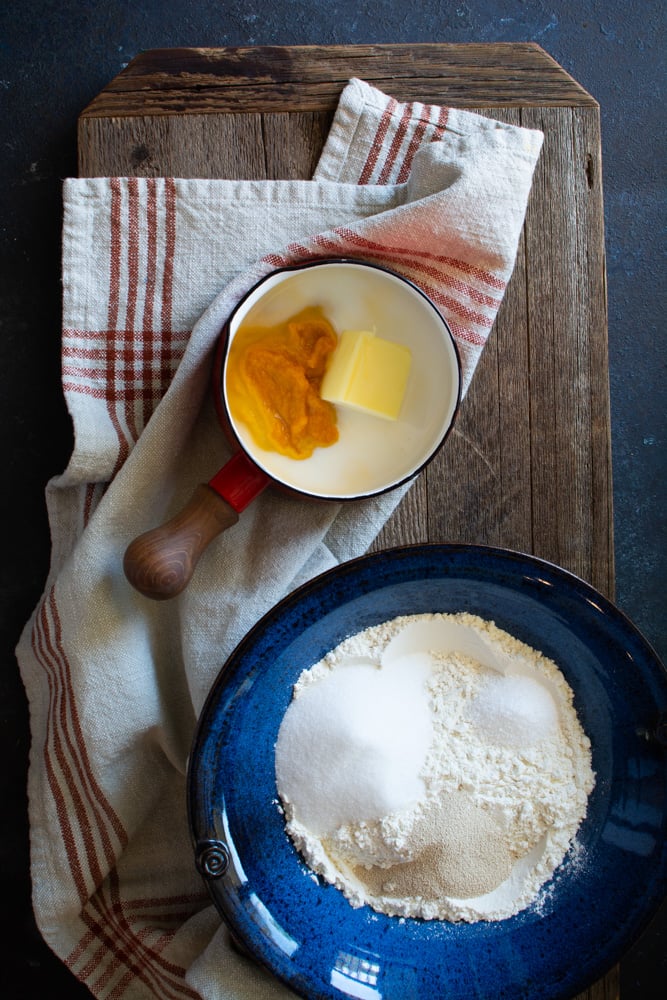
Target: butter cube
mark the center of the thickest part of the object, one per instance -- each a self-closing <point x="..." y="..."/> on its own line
<point x="368" y="374"/>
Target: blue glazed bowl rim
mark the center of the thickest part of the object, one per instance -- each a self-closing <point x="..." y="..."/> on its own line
<point x="400" y="565"/>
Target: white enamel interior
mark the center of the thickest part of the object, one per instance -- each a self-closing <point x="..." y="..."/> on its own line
<point x="372" y="454"/>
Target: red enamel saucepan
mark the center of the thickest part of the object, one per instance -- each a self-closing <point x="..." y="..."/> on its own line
<point x="372" y="454"/>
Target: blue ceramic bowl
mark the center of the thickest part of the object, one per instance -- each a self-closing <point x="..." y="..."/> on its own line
<point x="305" y="931"/>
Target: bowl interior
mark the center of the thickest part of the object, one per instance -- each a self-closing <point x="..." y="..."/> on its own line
<point x="372" y="454"/>
<point x="597" y="901"/>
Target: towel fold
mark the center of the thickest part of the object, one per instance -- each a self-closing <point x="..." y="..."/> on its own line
<point x="151" y="269"/>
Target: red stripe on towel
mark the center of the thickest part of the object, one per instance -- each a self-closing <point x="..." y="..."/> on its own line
<point x="396" y="143"/>
<point x="378" y="140"/>
<point x="486" y="277"/>
<point x="114" y="295"/>
<point x="147" y="338"/>
<point x="87" y="824"/>
<point x="166" y="314"/>
<point x="423" y="120"/>
<point x="443" y="118"/>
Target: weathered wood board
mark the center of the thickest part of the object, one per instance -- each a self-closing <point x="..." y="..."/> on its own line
<point x="529" y="464"/>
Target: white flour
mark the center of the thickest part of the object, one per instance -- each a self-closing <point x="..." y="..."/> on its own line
<point x="434" y="766"/>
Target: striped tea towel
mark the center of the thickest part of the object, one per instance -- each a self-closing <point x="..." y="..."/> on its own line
<point x="151" y="268"/>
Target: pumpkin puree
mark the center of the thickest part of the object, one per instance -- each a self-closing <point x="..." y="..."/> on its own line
<point x="274" y="376"/>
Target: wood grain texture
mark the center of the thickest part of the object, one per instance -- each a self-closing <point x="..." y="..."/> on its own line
<point x="160" y="562"/>
<point x="309" y="78"/>
<point x="528" y="465"/>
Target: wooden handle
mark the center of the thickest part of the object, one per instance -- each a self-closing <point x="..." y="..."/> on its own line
<point x="160" y="563"/>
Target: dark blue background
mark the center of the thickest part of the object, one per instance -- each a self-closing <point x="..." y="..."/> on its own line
<point x="56" y="56"/>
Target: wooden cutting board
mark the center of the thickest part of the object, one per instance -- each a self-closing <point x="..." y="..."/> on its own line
<point x="529" y="464"/>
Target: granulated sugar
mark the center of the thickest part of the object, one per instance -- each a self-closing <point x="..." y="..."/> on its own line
<point x="434" y="766"/>
<point x="514" y="711"/>
<point x="378" y="755"/>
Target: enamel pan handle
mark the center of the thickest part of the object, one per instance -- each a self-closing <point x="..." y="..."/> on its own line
<point x="160" y="563"/>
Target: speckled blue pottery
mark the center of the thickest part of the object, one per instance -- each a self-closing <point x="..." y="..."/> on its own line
<point x="305" y="931"/>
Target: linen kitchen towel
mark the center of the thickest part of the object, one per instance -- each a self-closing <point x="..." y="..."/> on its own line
<point x="151" y="269"/>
